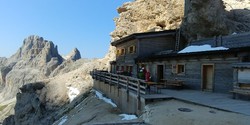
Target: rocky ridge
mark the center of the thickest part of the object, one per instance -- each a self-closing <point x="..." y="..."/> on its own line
<point x="48" y="100"/>
<point x="38" y="62"/>
<point x="73" y="55"/>
<point x="34" y="61"/>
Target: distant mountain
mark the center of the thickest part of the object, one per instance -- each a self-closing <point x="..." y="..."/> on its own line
<point x="34" y="61"/>
<point x="36" y="83"/>
<point x="73" y="55"/>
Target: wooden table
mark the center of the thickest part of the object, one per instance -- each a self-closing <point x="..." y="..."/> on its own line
<point x="156" y="85"/>
<point x="175" y="83"/>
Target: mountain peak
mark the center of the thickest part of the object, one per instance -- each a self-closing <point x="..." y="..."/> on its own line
<point x="35" y="46"/>
<point x="73" y="55"/>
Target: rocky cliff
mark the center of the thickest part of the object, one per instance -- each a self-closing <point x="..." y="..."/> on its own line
<point x="73" y="55"/>
<point x="34" y="61"/>
<point x="208" y="18"/>
<point x="204" y="18"/>
<point x="147" y="15"/>
<point x="43" y="82"/>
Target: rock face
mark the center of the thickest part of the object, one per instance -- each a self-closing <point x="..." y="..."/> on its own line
<point x="2" y="71"/>
<point x="147" y="15"/>
<point x="34" y="61"/>
<point x="45" y="80"/>
<point x="46" y="101"/>
<point x="208" y="18"/>
<point x="34" y="46"/>
<point x="32" y="106"/>
<point x="39" y="53"/>
<point x="238" y="14"/>
<point x="73" y="55"/>
<point x="205" y="19"/>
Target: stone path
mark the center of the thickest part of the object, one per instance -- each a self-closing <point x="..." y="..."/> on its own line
<point x="214" y="100"/>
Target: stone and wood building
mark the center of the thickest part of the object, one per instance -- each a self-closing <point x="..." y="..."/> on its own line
<point x="140" y="45"/>
<point x="158" y="52"/>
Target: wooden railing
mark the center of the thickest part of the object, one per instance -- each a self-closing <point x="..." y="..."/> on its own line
<point x="126" y="82"/>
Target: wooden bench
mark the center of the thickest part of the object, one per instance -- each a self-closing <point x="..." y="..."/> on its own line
<point x="241" y="89"/>
<point x="240" y="92"/>
<point x="157" y="86"/>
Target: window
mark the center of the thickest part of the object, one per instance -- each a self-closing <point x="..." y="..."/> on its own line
<point x="120" y="52"/>
<point x="131" y="50"/>
<point x="180" y="69"/>
<point x="123" y="51"/>
<point x="117" y="52"/>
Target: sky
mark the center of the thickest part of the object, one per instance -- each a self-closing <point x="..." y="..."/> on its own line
<point x="82" y="24"/>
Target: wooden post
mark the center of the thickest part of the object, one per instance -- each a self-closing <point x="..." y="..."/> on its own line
<point x="127" y="89"/>
<point x="138" y="97"/>
<point x="235" y="77"/>
<point x="100" y="77"/>
<point x="104" y="77"/>
<point x="118" y="84"/>
<point x="110" y="86"/>
<point x="110" y="78"/>
<point x="97" y="77"/>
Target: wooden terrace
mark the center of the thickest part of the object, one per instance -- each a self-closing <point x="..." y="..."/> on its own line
<point x="146" y="90"/>
<point x="214" y="100"/>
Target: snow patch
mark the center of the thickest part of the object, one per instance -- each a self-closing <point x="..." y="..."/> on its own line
<point x="72" y="93"/>
<point x="201" y="48"/>
<point x="107" y="100"/>
<point x="128" y="117"/>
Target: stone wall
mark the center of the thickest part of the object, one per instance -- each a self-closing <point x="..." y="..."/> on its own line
<point x="126" y="101"/>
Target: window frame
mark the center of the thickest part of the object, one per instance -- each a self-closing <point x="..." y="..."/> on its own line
<point x="176" y="69"/>
<point x="133" y="49"/>
<point x="118" y="52"/>
<point x="123" y="51"/>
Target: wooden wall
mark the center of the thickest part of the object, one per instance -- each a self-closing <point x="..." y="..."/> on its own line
<point x="144" y="47"/>
<point x="223" y="72"/>
<point x="230" y="41"/>
<point x="153" y="45"/>
<point x="128" y="59"/>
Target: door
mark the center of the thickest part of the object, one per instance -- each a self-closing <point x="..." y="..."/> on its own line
<point x="207" y="77"/>
<point x="159" y="73"/>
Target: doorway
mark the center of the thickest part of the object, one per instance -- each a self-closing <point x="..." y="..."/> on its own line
<point x="160" y="73"/>
<point x="207" y="77"/>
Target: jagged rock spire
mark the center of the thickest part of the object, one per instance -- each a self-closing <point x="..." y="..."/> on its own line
<point x="74" y="55"/>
